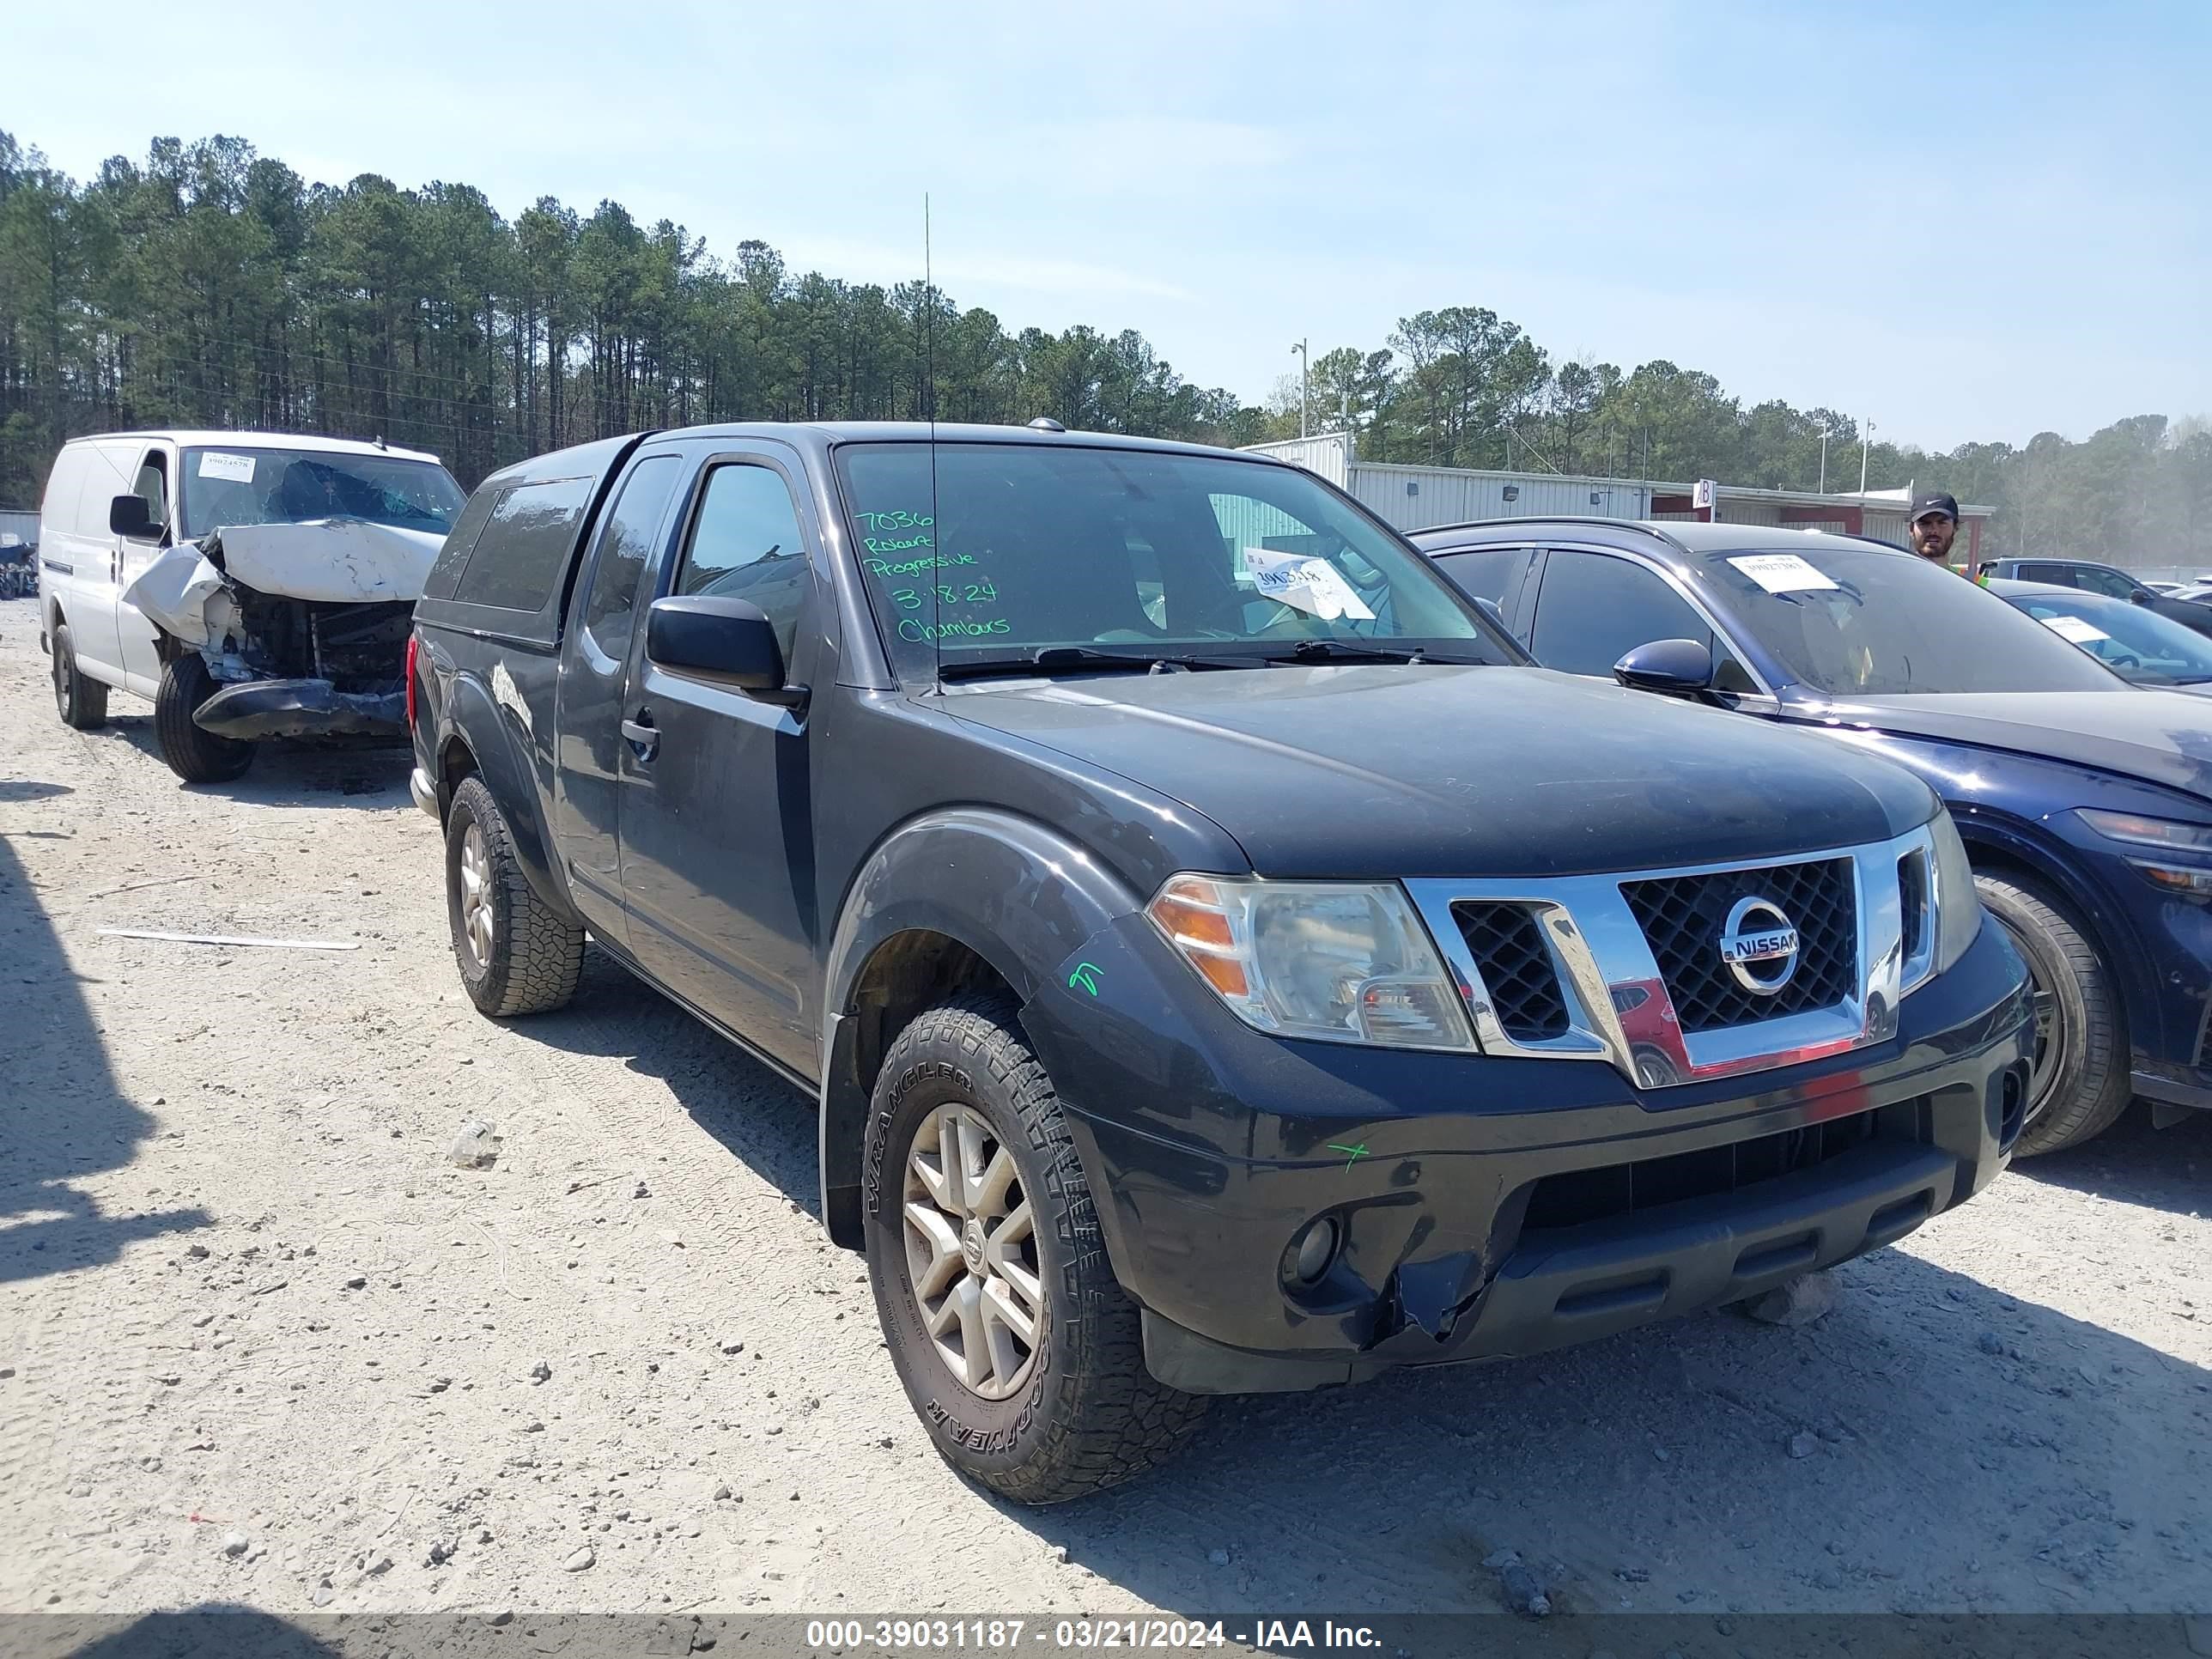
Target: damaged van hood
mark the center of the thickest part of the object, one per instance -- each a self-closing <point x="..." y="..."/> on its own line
<point x="328" y="561"/>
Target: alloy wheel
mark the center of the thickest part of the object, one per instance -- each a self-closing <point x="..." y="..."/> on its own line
<point x="971" y="1252"/>
<point x="2052" y="1043"/>
<point x="477" y="919"/>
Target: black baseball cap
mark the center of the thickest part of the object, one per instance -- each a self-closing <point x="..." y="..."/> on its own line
<point x="1934" y="500"/>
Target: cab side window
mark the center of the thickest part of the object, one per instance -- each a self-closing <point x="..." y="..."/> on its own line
<point x="2108" y="581"/>
<point x="745" y="544"/>
<point x="625" y="549"/>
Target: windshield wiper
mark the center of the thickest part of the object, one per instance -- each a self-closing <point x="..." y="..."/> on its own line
<point x="1052" y="659"/>
<point x="1356" y="651"/>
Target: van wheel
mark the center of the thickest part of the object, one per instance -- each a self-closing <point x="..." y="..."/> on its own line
<point x="2079" y="1084"/>
<point x="1019" y="1350"/>
<point x="80" y="702"/>
<point x="194" y="755"/>
<point x="516" y="955"/>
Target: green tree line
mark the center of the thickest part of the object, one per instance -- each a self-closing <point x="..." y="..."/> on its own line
<point x="212" y="286"/>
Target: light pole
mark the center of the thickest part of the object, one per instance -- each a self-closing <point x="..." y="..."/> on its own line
<point x="1865" y="434"/>
<point x="1824" y="457"/>
<point x="1305" y="362"/>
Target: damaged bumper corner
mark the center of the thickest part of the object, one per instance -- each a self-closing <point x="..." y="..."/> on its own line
<point x="302" y="708"/>
<point x="424" y="791"/>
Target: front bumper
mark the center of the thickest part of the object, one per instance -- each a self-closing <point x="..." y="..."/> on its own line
<point x="1486" y="1206"/>
<point x="254" y="709"/>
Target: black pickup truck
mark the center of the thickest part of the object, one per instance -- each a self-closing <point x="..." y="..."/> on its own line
<point x="1221" y="963"/>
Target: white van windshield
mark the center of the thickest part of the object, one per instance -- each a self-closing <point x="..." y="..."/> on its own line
<point x="296" y="486"/>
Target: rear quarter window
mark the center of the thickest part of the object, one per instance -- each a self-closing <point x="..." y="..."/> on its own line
<point x="523" y="550"/>
<point x="460" y="541"/>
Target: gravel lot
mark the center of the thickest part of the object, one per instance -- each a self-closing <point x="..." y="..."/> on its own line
<point x="261" y="1341"/>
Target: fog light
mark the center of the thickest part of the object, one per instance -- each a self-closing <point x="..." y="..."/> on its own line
<point x="1313" y="1250"/>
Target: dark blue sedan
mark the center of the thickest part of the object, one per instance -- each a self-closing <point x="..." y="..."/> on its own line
<point x="2135" y="643"/>
<point x="2086" y="803"/>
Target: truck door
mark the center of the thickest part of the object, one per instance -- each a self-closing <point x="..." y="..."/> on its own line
<point x="595" y="659"/>
<point x="716" y="807"/>
<point x="142" y="668"/>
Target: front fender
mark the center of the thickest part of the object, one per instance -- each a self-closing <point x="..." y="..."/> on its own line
<point x="1017" y="893"/>
<point x="495" y="736"/>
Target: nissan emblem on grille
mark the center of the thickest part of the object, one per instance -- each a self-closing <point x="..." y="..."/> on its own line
<point x="1759" y="946"/>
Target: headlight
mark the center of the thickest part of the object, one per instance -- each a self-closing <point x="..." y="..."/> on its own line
<point x="1958" y="905"/>
<point x="1340" y="961"/>
<point x="2166" y="836"/>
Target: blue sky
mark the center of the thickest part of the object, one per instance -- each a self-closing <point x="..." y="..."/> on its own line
<point x="1968" y="221"/>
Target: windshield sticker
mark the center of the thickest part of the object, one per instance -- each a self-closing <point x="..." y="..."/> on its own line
<point x="2073" y="628"/>
<point x="1304" y="583"/>
<point x="237" y="469"/>
<point x="1782" y="573"/>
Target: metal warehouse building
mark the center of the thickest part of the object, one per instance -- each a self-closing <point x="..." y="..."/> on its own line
<point x="1422" y="497"/>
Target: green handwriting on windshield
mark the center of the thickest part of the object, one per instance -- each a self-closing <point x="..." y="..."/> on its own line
<point x="895" y="532"/>
<point x="915" y="567"/>
<point x="908" y="599"/>
<point x="921" y="633"/>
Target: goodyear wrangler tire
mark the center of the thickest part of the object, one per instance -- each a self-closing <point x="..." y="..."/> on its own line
<point x="1021" y="1352"/>
<point x="516" y="953"/>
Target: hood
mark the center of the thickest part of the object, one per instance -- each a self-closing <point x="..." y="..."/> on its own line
<point x="342" y="561"/>
<point x="2160" y="735"/>
<point x="1396" y="770"/>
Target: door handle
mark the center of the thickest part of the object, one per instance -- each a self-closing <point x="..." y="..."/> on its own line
<point x="640" y="735"/>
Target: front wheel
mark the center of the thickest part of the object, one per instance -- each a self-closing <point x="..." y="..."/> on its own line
<point x="1020" y="1350"/>
<point x="195" y="755"/>
<point x="2079" y="1083"/>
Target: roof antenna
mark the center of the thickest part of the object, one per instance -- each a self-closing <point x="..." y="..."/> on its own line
<point x="929" y="408"/>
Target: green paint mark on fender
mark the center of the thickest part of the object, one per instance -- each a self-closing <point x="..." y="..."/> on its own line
<point x="1355" y="1153"/>
<point x="1085" y="977"/>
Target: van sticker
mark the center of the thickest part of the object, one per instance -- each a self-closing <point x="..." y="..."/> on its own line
<point x="1782" y="573"/>
<point x="2073" y="628"/>
<point x="1304" y="583"/>
<point x="237" y="469"/>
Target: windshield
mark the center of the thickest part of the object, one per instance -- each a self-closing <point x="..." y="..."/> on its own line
<point x="1855" y="620"/>
<point x="1103" y="554"/>
<point x="294" y="486"/>
<point x="2132" y="641"/>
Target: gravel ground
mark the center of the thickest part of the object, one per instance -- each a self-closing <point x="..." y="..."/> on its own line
<point x="261" y="1341"/>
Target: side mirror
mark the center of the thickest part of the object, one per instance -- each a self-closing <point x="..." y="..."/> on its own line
<point x="730" y="641"/>
<point x="1680" y="668"/>
<point x="1489" y="609"/>
<point x="130" y="516"/>
<point x="2142" y="596"/>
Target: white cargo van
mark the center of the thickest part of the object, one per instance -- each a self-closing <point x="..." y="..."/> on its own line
<point x="252" y="585"/>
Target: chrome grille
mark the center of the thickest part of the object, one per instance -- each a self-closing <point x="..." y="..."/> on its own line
<point x="1683" y="918"/>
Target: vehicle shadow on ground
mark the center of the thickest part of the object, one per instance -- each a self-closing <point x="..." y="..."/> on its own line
<point x="12" y="790"/>
<point x="288" y="773"/>
<point x="1916" y="1450"/>
<point x="211" y="1630"/>
<point x="756" y="1115"/>
<point x="2132" y="1162"/>
<point x="65" y="1121"/>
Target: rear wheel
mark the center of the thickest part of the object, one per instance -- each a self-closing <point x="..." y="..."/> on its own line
<point x="1020" y="1350"/>
<point x="195" y="755"/>
<point x="80" y="702"/>
<point x="516" y="953"/>
<point x="2079" y="1084"/>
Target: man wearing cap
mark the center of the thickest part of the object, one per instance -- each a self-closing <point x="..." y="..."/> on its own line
<point x="1934" y="527"/>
